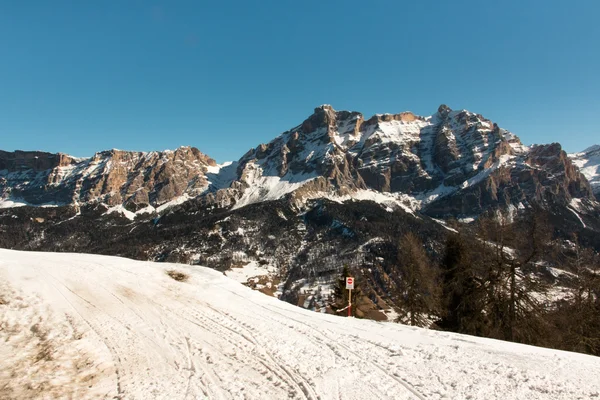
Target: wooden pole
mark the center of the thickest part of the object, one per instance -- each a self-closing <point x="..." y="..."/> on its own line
<point x="349" y="302"/>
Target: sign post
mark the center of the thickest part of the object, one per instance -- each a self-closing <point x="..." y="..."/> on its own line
<point x="349" y="286"/>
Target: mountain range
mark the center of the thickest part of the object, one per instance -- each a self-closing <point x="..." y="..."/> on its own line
<point x="450" y="163"/>
<point x="336" y="189"/>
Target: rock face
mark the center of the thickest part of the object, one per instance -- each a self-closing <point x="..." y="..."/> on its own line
<point x="132" y="179"/>
<point x="33" y="160"/>
<point x="588" y="161"/>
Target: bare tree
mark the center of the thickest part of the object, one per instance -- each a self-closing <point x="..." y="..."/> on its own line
<point x="577" y="318"/>
<point x="515" y="294"/>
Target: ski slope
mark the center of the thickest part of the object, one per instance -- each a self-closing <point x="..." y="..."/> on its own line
<point x="90" y="327"/>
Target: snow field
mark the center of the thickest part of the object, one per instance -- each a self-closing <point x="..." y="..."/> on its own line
<point x="109" y="327"/>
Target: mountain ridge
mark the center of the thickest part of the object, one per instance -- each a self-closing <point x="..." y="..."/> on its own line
<point x="453" y="162"/>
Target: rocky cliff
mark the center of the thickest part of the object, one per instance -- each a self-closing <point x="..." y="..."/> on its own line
<point x="134" y="180"/>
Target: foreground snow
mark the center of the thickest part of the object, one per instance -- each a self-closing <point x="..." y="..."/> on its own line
<point x="83" y="326"/>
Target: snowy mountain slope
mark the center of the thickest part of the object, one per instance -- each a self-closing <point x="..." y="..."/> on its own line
<point x="588" y="161"/>
<point x="101" y="327"/>
<point x="450" y="163"/>
<point x="400" y="153"/>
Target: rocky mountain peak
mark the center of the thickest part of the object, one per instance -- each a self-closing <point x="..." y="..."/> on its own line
<point x="323" y="117"/>
<point x="444" y="110"/>
<point x="428" y="162"/>
<point x="324" y="107"/>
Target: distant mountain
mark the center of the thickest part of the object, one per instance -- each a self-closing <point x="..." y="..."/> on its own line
<point x="452" y="163"/>
<point x="122" y="179"/>
<point x="588" y="162"/>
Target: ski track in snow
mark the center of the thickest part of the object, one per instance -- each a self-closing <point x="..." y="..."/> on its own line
<point x="141" y="335"/>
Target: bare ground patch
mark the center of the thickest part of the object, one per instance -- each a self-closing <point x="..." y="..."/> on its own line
<point x="44" y="355"/>
<point x="178" y="275"/>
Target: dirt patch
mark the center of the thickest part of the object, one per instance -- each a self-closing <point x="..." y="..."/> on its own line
<point x="127" y="292"/>
<point x="178" y="275"/>
<point x="39" y="358"/>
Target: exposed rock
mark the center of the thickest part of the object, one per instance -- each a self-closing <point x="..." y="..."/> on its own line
<point x="37" y="161"/>
<point x="114" y="177"/>
<point x="444" y="111"/>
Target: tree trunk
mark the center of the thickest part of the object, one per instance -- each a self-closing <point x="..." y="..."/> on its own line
<point x="513" y="300"/>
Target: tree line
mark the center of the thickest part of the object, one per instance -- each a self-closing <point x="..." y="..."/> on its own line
<point x="493" y="282"/>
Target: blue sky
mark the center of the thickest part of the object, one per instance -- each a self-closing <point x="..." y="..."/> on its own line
<point x="224" y="76"/>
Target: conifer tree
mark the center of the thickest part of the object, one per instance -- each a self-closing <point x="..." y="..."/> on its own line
<point x="463" y="293"/>
<point x="416" y="282"/>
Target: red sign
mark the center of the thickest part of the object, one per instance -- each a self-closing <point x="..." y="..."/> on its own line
<point x="349" y="283"/>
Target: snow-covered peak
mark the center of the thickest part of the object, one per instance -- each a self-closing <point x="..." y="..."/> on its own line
<point x="402" y="154"/>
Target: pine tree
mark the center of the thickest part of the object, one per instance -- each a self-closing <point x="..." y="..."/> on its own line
<point x="416" y="282"/>
<point x="463" y="292"/>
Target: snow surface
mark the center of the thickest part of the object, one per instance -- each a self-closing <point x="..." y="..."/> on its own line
<point x="9" y="203"/>
<point x="263" y="187"/>
<point x="87" y="327"/>
<point x="577" y="215"/>
<point x="221" y="175"/>
<point x="121" y="210"/>
<point x="148" y="209"/>
<point x="248" y="271"/>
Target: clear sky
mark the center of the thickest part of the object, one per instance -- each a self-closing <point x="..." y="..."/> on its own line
<point x="224" y="76"/>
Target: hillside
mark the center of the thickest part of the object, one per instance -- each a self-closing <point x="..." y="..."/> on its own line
<point x="104" y="327"/>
